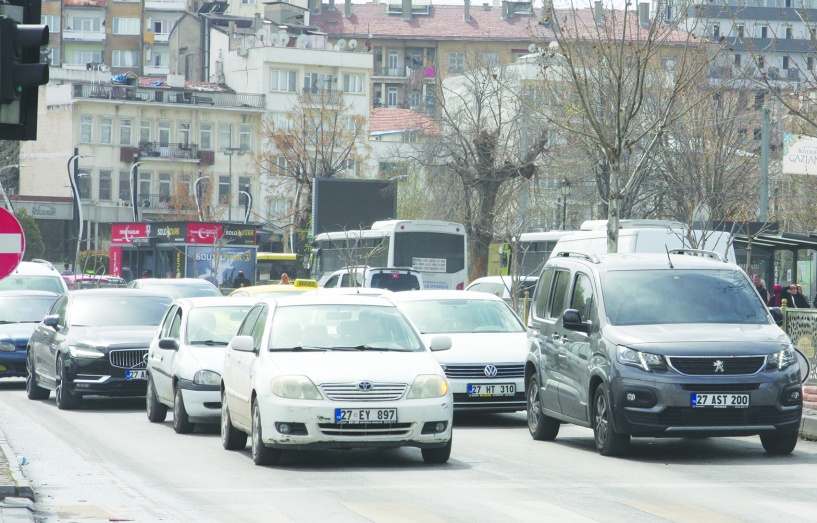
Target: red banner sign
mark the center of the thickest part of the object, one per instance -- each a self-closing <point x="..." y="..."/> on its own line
<point x="204" y="233"/>
<point x="116" y="260"/>
<point x="124" y="233"/>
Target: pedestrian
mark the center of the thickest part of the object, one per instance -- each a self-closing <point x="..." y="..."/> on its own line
<point x="241" y="280"/>
<point x="798" y="300"/>
<point x="777" y="293"/>
<point x="146" y="274"/>
<point x="284" y="279"/>
<point x="67" y="271"/>
<point x="761" y="288"/>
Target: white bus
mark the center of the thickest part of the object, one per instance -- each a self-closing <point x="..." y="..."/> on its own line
<point x="439" y="250"/>
<point x="534" y="249"/>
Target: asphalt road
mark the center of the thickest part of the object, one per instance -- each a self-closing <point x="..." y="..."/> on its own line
<point x="106" y="462"/>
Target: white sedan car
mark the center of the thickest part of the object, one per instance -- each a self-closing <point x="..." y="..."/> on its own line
<point x="333" y="372"/>
<point x="486" y="363"/>
<point x="185" y="358"/>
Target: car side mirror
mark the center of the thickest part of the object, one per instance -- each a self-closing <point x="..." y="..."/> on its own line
<point x="52" y="320"/>
<point x="777" y="314"/>
<point x="572" y="320"/>
<point x="440" y="343"/>
<point x="243" y="344"/>
<point x="169" y="344"/>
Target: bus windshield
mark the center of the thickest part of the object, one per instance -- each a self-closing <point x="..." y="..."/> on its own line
<point x="270" y="266"/>
<point x="429" y="251"/>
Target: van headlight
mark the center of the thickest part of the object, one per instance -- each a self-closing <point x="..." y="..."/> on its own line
<point x="428" y="386"/>
<point x="294" y="388"/>
<point x="207" y="377"/>
<point x="780" y="360"/>
<point x="81" y="350"/>
<point x="643" y="360"/>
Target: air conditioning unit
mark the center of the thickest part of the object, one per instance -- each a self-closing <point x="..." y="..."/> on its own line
<point x="377" y="100"/>
<point x="242" y="51"/>
<point x="146" y="204"/>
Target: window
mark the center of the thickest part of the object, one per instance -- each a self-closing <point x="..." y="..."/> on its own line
<point x="316" y="81"/>
<point x="280" y="166"/>
<point x="280" y="120"/>
<point x="757" y="133"/>
<point x="224" y="187"/>
<point x="105" y="185"/>
<point x="164" y="187"/>
<point x="144" y="185"/>
<point x="394" y="61"/>
<point x="541" y="293"/>
<point x="125" y="131"/>
<point x="282" y="80"/>
<point x="126" y="26"/>
<point x="244" y="185"/>
<point x="353" y="83"/>
<point x="247" y="2"/>
<point x="52" y="21"/>
<point x="349" y="167"/>
<point x="349" y="124"/>
<point x="490" y="59"/>
<point x="456" y="62"/>
<point x="85" y="25"/>
<point x="810" y="63"/>
<point x="391" y="97"/>
<point x="582" y="299"/>
<point x="106" y="130"/>
<point x="245" y="137"/>
<point x="144" y="131"/>
<point x="158" y="59"/>
<point x="121" y="58"/>
<point x="760" y="96"/>
<point x="164" y="133"/>
<point x="206" y="136"/>
<point x="413" y="99"/>
<point x="86" y="125"/>
<point x="162" y="27"/>
<point x="86" y="57"/>
<point x="184" y="134"/>
<point x="764" y="31"/>
<point x="740" y="30"/>
<point x="737" y="60"/>
<point x="761" y="62"/>
<point x="556" y="306"/>
<point x="54" y="56"/>
<point x="410" y="136"/>
<point x="124" y="186"/>
<point x="668" y="63"/>
<point x="716" y="31"/>
<point x="785" y="62"/>
<point x="84" y="184"/>
<point x="225" y="135"/>
<point x="788" y="33"/>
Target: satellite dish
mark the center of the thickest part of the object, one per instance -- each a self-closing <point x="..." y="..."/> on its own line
<point x="532" y="48"/>
<point x="342" y="43"/>
<point x="301" y="41"/>
<point x="336" y="47"/>
<point x="554" y="45"/>
<point x="283" y="38"/>
<point x="261" y="35"/>
<point x="352" y="44"/>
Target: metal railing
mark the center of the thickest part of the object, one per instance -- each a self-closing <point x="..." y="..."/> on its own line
<point x="168" y="150"/>
<point x="171" y="96"/>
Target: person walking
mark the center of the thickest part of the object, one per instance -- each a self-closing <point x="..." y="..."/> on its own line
<point x="241" y="280"/>
<point x="777" y="293"/>
<point x="798" y="300"/>
<point x="761" y="288"/>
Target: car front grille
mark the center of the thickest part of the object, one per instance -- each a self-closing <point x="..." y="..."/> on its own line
<point x="354" y="392"/>
<point x="715" y="366"/>
<point x="128" y="358"/>
<point x="478" y="371"/>
<point x="720" y="387"/>
<point x="363" y="430"/>
<point x="710" y="417"/>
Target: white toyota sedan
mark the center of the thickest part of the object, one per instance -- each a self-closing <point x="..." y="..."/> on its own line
<point x="486" y="363"/>
<point x="185" y="358"/>
<point x="333" y="372"/>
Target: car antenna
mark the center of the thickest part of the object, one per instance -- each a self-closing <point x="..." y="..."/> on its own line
<point x="669" y="259"/>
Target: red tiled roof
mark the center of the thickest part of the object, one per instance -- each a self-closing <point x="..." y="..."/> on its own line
<point x="385" y="120"/>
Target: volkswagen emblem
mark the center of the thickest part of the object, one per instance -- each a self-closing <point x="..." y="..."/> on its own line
<point x="718" y="364"/>
<point x="365" y="385"/>
<point x="490" y="371"/>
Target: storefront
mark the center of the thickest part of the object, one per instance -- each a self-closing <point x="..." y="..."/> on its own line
<point x="216" y="252"/>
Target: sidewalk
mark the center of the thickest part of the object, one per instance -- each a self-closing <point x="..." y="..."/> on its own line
<point x="16" y="493"/>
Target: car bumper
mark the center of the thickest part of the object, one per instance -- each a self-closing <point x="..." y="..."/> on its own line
<point x="13" y="364"/>
<point x="662" y="407"/>
<point x="312" y="424"/>
<point x="493" y="399"/>
<point x="202" y="402"/>
<point x="97" y="378"/>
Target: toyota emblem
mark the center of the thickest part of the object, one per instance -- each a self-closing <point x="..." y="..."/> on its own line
<point x="365" y="385"/>
<point x="490" y="371"/>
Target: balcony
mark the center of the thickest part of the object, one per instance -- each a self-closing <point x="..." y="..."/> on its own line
<point x="161" y="38"/>
<point x="165" y="151"/>
<point x="165" y="5"/>
<point x="168" y="96"/>
<point x="315" y="96"/>
<point x="157" y="70"/>
<point x="85" y="3"/>
<point x="84" y="36"/>
<point x="398" y="72"/>
<point x="158" y="202"/>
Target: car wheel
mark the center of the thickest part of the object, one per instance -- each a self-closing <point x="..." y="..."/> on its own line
<point x="34" y="391"/>
<point x="231" y="437"/>
<point x="261" y="454"/>
<point x="181" y="421"/>
<point x="65" y="399"/>
<point x="780" y="443"/>
<point x="608" y="441"/>
<point x="541" y="427"/>
<point x="438" y="455"/>
<point x="156" y="411"/>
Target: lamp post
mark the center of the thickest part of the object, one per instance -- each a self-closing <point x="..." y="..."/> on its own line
<point x="248" y="205"/>
<point x="3" y="190"/>
<point x="196" y="195"/>
<point x="133" y="199"/>
<point x="565" y="189"/>
<point x="229" y="151"/>
<point x="75" y="192"/>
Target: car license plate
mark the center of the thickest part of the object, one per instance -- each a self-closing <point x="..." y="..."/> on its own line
<point x="365" y="415"/>
<point x="491" y="389"/>
<point x="136" y="375"/>
<point x="740" y="401"/>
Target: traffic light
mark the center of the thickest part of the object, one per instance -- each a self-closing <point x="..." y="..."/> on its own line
<point x="21" y="72"/>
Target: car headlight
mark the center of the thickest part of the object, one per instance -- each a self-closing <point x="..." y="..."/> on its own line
<point x="6" y="346"/>
<point x="428" y="386"/>
<point x="781" y="359"/>
<point x="86" y="351"/>
<point x="295" y="388"/>
<point x="643" y="360"/>
<point x="207" y="377"/>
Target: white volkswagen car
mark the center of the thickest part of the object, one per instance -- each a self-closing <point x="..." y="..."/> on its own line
<point x="486" y="363"/>
<point x="185" y="358"/>
<point x="333" y="372"/>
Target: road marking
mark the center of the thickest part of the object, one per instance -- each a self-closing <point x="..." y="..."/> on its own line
<point x="681" y="512"/>
<point x="803" y="509"/>
<point x="539" y="511"/>
<point x="93" y="511"/>
<point x="393" y="512"/>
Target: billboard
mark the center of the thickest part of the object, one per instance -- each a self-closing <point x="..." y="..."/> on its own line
<point x="799" y="154"/>
<point x="345" y="204"/>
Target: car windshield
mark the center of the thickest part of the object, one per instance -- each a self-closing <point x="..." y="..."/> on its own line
<point x="342" y="327"/>
<point x="680" y="296"/>
<point x="113" y="311"/>
<point x="214" y="325"/>
<point x="24" y="309"/>
<point x="16" y="282"/>
<point x="450" y="316"/>
<point x="184" y="289"/>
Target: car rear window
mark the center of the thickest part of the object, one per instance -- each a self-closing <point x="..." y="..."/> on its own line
<point x="395" y="282"/>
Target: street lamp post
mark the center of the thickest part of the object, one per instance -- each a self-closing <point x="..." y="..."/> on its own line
<point x="565" y="189"/>
<point x="3" y="190"/>
<point x="248" y="205"/>
<point x="133" y="199"/>
<point x="229" y="151"/>
<point x="75" y="192"/>
<point x="196" y="195"/>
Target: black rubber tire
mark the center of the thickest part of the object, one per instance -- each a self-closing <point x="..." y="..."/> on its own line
<point x="181" y="421"/>
<point x="65" y="399"/>
<point x="779" y="443"/>
<point x="540" y="426"/>
<point x="156" y="411"/>
<point x="439" y="454"/>
<point x="34" y="391"/>
<point x="231" y="437"/>
<point x="261" y="454"/>
<point x="608" y="441"/>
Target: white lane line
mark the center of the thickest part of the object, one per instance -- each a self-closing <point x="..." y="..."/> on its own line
<point x="681" y="512"/>
<point x="540" y="512"/>
<point x="393" y="512"/>
<point x="803" y="509"/>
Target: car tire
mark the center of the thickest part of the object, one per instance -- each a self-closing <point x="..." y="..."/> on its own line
<point x="541" y="426"/>
<point x="261" y="454"/>
<point x="65" y="399"/>
<point x="608" y="441"/>
<point x="181" y="421"/>
<point x="34" y="391"/>
<point x="156" y="411"/>
<point x="439" y="454"/>
<point x="231" y="437"/>
<point x="780" y="443"/>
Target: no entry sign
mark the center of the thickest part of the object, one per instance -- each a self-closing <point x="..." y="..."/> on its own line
<point x="12" y="243"/>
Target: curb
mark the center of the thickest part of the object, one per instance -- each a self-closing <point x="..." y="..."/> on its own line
<point x="808" y="427"/>
<point x="21" y="487"/>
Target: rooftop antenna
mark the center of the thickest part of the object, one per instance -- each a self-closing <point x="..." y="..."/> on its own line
<point x="669" y="259"/>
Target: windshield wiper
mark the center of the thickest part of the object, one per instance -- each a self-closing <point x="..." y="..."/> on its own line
<point x="299" y="348"/>
<point x="208" y="342"/>
<point x="369" y="347"/>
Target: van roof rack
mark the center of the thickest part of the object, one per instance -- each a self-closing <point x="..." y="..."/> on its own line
<point x="592" y="258"/>
<point x="44" y="262"/>
<point x="700" y="252"/>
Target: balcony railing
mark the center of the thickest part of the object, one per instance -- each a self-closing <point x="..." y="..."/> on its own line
<point x="171" y="96"/>
<point x="314" y="95"/>
<point x="397" y="72"/>
<point x="85" y="36"/>
<point x="168" y="150"/>
<point x="166" y="5"/>
<point x="157" y="201"/>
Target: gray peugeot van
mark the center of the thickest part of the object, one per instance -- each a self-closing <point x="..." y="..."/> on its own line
<point x="658" y="345"/>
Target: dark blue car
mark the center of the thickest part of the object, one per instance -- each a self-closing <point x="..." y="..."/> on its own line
<point x="20" y="312"/>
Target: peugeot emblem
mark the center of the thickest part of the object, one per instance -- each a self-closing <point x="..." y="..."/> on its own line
<point x="365" y="385"/>
<point x="718" y="366"/>
<point x="490" y="371"/>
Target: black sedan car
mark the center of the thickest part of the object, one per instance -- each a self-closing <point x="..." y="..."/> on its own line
<point x="94" y="342"/>
<point x="20" y="312"/>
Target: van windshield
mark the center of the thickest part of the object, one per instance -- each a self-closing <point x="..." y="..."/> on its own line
<point x="679" y="296"/>
<point x="28" y="282"/>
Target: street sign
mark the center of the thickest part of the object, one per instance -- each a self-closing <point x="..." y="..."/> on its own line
<point x="12" y="243"/>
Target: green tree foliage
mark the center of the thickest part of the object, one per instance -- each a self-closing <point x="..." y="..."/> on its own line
<point x="34" y="239"/>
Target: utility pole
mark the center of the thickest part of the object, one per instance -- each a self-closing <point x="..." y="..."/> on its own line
<point x="763" y="212"/>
